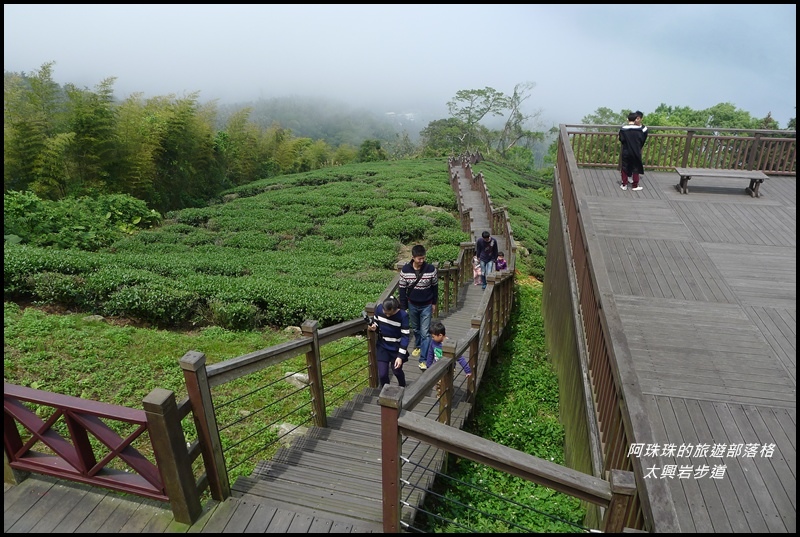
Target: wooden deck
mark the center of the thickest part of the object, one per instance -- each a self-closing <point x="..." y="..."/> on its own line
<point x="705" y="289"/>
<point x="327" y="481"/>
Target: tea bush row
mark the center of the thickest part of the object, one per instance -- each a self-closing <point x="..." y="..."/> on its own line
<point x="275" y="252"/>
<point x="528" y="206"/>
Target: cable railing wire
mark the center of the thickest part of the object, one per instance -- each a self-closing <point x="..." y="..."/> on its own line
<point x="239" y="398"/>
<point x="492" y="494"/>
<point x="474" y="509"/>
<point x="261" y="448"/>
<point x="337" y="368"/>
<point x="262" y="409"/>
<point x="348" y="392"/>
<point x="351" y="347"/>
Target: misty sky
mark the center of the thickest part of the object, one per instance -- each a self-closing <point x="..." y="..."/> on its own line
<point x="407" y="58"/>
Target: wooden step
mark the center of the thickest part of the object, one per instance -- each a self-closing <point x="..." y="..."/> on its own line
<point x="313" y="499"/>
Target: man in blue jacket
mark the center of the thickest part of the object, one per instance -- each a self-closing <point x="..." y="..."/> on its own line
<point x="486" y="250"/>
<point x="419" y="295"/>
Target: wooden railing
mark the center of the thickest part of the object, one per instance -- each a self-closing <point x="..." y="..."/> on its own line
<point x="618" y="403"/>
<point x="616" y="495"/>
<point x="397" y="421"/>
<point x="773" y="152"/>
<point x="76" y="443"/>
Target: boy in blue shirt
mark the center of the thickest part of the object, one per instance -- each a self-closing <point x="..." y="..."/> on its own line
<point x="435" y="348"/>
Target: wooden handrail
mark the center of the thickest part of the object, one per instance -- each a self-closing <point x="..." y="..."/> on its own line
<point x="71" y="454"/>
<point x="773" y="152"/>
<point x="398" y="421"/>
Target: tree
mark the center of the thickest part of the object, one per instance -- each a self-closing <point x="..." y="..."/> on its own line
<point x="344" y="154"/>
<point x="371" y="151"/>
<point x="471" y="106"/>
<point x="239" y="149"/>
<point x="443" y="137"/>
<point x="91" y="116"/>
<point x="606" y="116"/>
<point x="514" y="130"/>
<point x="402" y="147"/>
<point x="185" y="157"/>
<point x="34" y="111"/>
<point x="316" y="156"/>
<point x="138" y="132"/>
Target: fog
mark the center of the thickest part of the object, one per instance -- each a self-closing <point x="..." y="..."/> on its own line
<point x="414" y="58"/>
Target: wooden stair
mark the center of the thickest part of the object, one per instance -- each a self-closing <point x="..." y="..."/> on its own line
<point x="334" y="472"/>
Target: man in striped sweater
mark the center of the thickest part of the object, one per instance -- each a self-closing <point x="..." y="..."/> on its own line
<point x="419" y="295"/>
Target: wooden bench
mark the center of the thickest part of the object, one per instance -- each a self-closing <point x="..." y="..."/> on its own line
<point x="755" y="178"/>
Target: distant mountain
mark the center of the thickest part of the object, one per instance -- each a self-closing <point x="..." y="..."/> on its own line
<point x="323" y="119"/>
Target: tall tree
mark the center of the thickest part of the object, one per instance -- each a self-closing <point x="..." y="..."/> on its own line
<point x="185" y="157"/>
<point x="91" y="117"/>
<point x="514" y="131"/>
<point x="443" y="137"/>
<point x="33" y="112"/>
<point x="239" y="149"/>
<point x="471" y="106"/>
<point x="139" y="129"/>
<point x="371" y="151"/>
<point x="606" y="116"/>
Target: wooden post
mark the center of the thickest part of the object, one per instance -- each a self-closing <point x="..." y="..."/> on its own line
<point x="623" y="487"/>
<point x="193" y="364"/>
<point x="687" y="149"/>
<point x="10" y="475"/>
<point x="446" y="382"/>
<point x="474" y="352"/>
<point x="391" y="401"/>
<point x="314" y="365"/>
<point x="449" y="285"/>
<point x="468" y="250"/>
<point x="490" y="312"/>
<point x="172" y="458"/>
<point x="372" y="356"/>
<point x="756" y="149"/>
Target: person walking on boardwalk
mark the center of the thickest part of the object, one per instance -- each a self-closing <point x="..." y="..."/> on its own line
<point x="391" y="348"/>
<point x="435" y="352"/>
<point x="632" y="137"/>
<point x="476" y="270"/>
<point x="501" y="263"/>
<point x="486" y="247"/>
<point x="419" y="295"/>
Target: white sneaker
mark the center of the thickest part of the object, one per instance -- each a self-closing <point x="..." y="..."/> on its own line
<point x="637" y="188"/>
<point x="624" y="187"/>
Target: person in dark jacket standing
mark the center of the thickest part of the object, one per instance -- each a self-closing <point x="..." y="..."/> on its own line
<point x="391" y="324"/>
<point x="632" y="137"/>
<point x="419" y="295"/>
<point x="486" y="248"/>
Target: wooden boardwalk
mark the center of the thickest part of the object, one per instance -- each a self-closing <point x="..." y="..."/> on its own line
<point x="327" y="481"/>
<point x="705" y="290"/>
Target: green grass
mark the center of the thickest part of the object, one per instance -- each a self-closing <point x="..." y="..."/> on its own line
<point x="516" y="406"/>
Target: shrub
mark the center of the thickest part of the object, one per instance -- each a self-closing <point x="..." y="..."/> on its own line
<point x="85" y="223"/>
<point x="55" y="288"/>
<point x="159" y="304"/>
<point x="234" y="315"/>
<point x="404" y="228"/>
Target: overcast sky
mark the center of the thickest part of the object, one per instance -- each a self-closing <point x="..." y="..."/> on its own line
<point x="406" y="58"/>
